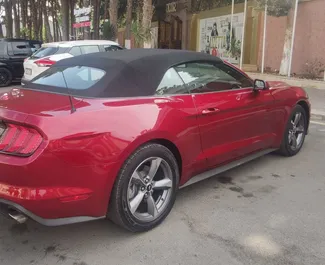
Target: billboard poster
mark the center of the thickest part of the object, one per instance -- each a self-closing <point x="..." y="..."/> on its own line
<point x="214" y="34"/>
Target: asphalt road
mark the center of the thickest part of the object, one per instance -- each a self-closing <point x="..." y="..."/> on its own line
<point x="317" y="98"/>
<point x="268" y="212"/>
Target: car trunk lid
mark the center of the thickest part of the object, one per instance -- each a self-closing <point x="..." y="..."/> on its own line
<point x="26" y="119"/>
<point x="16" y="104"/>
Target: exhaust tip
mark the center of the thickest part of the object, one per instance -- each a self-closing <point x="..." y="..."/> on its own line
<point x="17" y="216"/>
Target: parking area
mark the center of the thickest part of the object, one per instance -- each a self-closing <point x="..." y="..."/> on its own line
<point x="269" y="211"/>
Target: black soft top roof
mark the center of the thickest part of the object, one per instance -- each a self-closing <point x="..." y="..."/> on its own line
<point x="134" y="72"/>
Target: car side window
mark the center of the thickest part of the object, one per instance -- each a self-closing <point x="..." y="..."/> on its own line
<point x="75" y="77"/>
<point x="19" y="48"/>
<point x="109" y="48"/>
<point x="75" y="51"/>
<point x="171" y="84"/>
<point x="245" y="82"/>
<point x="209" y="77"/>
<point x="89" y="49"/>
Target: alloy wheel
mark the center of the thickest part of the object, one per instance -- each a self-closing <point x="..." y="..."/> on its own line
<point x="150" y="189"/>
<point x="296" y="132"/>
<point x="4" y="77"/>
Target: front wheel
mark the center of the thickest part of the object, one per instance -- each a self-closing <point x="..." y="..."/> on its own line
<point x="5" y="77"/>
<point x="295" y="132"/>
<point x="145" y="190"/>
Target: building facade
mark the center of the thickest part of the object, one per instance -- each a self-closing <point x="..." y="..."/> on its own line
<point x="174" y="26"/>
<point x="309" y="39"/>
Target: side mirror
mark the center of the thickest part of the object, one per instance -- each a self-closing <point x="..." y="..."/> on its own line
<point x="260" y="85"/>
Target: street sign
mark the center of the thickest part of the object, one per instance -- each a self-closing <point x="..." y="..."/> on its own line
<point x="78" y="12"/>
<point x="81" y="24"/>
<point x="82" y="17"/>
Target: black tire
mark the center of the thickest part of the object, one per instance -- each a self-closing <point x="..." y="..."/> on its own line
<point x="118" y="210"/>
<point x="286" y="148"/>
<point x="5" y="77"/>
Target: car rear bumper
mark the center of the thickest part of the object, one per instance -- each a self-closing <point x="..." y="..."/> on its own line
<point x="23" y="81"/>
<point x="6" y="206"/>
<point x="51" y="200"/>
<point x="61" y="183"/>
<point x="48" y="206"/>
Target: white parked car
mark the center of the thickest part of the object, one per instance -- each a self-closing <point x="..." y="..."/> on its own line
<point x="52" y="52"/>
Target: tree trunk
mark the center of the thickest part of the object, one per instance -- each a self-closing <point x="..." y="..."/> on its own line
<point x="65" y="19"/>
<point x="106" y="9"/>
<point x="33" y="10"/>
<point x="96" y="19"/>
<point x="24" y="12"/>
<point x="284" y="67"/>
<point x="8" y="20"/>
<point x="98" y="16"/>
<point x="48" y="35"/>
<point x="72" y="4"/>
<point x="55" y="36"/>
<point x="30" y="27"/>
<point x="113" y="15"/>
<point x="15" y="7"/>
<point x="128" y="24"/>
<point x="147" y="12"/>
<point x="58" y="30"/>
<point x="29" y="19"/>
<point x="40" y="19"/>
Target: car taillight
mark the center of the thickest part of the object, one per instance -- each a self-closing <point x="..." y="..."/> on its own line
<point x="44" y="62"/>
<point x="18" y="140"/>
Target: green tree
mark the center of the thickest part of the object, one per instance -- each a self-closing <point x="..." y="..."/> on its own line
<point x="108" y="31"/>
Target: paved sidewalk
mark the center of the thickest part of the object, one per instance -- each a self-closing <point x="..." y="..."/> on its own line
<point x="315" y="90"/>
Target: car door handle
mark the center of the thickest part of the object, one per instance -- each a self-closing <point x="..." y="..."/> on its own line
<point x="210" y="111"/>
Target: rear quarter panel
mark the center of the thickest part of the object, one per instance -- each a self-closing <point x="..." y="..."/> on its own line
<point x="88" y="147"/>
<point x="130" y="123"/>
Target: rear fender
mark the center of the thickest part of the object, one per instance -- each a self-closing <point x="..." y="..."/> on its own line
<point x="143" y="139"/>
<point x="131" y="148"/>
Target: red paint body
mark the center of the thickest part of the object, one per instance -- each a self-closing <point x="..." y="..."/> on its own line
<point x="73" y="171"/>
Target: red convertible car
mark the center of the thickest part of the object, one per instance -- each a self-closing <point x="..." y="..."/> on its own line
<point x="117" y="134"/>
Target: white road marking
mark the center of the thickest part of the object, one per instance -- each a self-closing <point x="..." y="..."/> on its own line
<point x="317" y="122"/>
